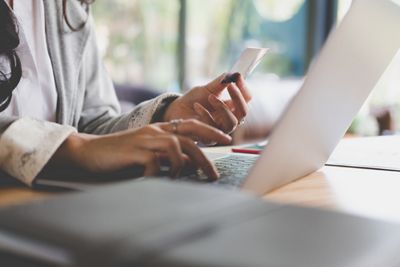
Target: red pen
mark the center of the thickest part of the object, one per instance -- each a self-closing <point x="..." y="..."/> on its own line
<point x="246" y="151"/>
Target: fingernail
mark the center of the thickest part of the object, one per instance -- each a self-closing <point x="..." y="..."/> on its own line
<point x="225" y="78"/>
<point x="231" y="78"/>
<point x="196" y="107"/>
<point x="213" y="99"/>
<point x="209" y="143"/>
<point x="224" y="134"/>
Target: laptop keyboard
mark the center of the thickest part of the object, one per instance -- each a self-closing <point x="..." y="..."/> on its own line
<point x="233" y="170"/>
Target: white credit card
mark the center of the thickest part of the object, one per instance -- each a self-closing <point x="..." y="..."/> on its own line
<point x="248" y="61"/>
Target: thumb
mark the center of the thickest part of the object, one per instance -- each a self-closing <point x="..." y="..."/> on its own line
<point x="215" y="86"/>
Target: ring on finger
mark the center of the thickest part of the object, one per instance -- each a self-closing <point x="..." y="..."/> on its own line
<point x="241" y="122"/>
<point x="175" y="125"/>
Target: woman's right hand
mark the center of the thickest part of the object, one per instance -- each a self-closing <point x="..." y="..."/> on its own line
<point x="146" y="146"/>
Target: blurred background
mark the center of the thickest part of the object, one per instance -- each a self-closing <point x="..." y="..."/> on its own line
<point x="154" y="46"/>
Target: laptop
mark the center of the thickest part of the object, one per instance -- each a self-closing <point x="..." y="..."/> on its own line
<point x="350" y="64"/>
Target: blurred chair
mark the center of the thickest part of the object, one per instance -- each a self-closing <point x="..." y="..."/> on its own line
<point x="385" y="119"/>
<point x="270" y="98"/>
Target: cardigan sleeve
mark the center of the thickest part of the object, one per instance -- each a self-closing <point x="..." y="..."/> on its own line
<point x="100" y="110"/>
<point x="27" y="145"/>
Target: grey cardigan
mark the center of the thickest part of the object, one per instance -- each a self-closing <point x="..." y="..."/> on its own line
<point x="86" y="98"/>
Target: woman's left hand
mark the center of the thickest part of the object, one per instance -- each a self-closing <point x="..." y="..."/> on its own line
<point x="203" y="103"/>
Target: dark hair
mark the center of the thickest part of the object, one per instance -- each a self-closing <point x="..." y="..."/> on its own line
<point x="9" y="41"/>
<point x="9" y="78"/>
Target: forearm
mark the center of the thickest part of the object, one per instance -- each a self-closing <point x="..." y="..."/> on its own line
<point x="64" y="156"/>
<point x="140" y="116"/>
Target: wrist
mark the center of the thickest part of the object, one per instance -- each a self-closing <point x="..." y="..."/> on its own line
<point x="167" y="115"/>
<point x="71" y="150"/>
<point x="163" y="112"/>
<point x="170" y="111"/>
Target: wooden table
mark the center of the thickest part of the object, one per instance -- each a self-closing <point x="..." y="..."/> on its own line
<point x="370" y="193"/>
<point x="11" y="195"/>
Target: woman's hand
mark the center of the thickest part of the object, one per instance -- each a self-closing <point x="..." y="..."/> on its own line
<point x="146" y="147"/>
<point x="203" y="103"/>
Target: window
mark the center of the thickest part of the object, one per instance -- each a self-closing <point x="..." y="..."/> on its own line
<point x="219" y="30"/>
<point x="138" y="39"/>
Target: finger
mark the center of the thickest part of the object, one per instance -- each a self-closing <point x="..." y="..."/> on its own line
<point x="198" y="157"/>
<point x="215" y="86"/>
<point x="196" y="129"/>
<point x="204" y="114"/>
<point x="164" y="157"/>
<point x="150" y="162"/>
<point x="170" y="146"/>
<point x="240" y="108"/>
<point x="206" y="133"/>
<point x="224" y="118"/>
<point x="243" y="88"/>
<point x="206" y="117"/>
<point x="231" y="78"/>
<point x="152" y="129"/>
